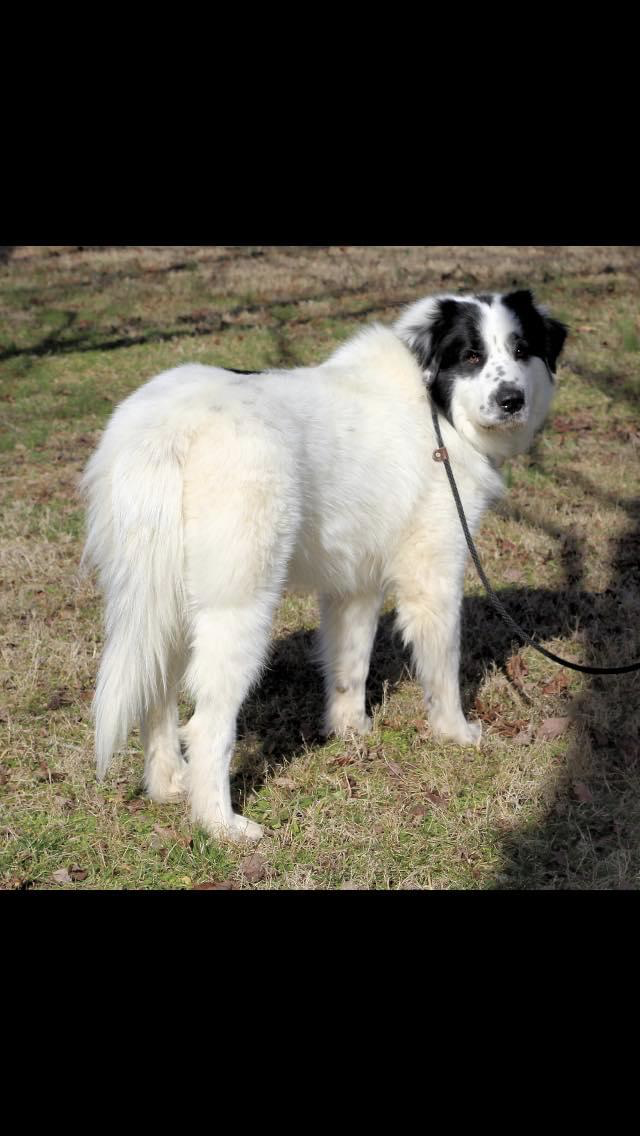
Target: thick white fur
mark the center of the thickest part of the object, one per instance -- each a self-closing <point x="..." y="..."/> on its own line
<point x="211" y="491"/>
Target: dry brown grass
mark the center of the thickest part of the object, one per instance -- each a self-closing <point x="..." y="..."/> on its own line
<point x="81" y="329"/>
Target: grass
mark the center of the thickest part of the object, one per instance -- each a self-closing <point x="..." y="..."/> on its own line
<point x="82" y="327"/>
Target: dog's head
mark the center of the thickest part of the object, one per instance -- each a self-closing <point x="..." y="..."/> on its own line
<point x="489" y="363"/>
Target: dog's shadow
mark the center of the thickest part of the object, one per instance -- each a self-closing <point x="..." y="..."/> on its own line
<point x="283" y="713"/>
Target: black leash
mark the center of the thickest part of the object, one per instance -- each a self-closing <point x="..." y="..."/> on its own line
<point x="441" y="455"/>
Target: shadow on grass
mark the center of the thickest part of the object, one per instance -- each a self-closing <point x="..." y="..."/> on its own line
<point x="594" y="843"/>
<point x="202" y="325"/>
<point x="578" y="845"/>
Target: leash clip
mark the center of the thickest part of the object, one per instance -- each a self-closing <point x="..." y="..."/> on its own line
<point x="441" y="454"/>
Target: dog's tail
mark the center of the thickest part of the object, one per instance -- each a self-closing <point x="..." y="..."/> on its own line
<point x="133" y="485"/>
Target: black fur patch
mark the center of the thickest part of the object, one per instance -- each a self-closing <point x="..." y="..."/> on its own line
<point x="544" y="336"/>
<point x="442" y="345"/>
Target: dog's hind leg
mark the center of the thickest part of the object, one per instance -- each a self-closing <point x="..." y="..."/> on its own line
<point x="164" y="766"/>
<point x="229" y="646"/>
<point x="347" y="632"/>
<point x="240" y="509"/>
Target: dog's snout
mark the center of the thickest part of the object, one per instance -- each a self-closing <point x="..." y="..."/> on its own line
<point x="509" y="398"/>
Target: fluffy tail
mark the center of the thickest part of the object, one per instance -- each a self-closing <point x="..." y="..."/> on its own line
<point x="133" y="484"/>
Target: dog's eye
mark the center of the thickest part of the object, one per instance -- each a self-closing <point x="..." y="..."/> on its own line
<point x="472" y="357"/>
<point x="522" y="349"/>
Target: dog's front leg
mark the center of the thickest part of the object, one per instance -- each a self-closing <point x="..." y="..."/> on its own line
<point x="428" y="608"/>
<point x="347" y="632"/>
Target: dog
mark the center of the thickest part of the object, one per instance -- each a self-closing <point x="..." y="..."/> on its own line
<point x="212" y="490"/>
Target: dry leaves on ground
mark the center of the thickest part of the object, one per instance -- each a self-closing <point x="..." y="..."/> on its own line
<point x="254" y="868"/>
<point x="560" y="682"/>
<point x="552" y="728"/>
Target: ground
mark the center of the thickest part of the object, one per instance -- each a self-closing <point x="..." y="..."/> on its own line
<point x="552" y="799"/>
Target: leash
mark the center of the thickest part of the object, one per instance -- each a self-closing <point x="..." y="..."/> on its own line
<point x="441" y="455"/>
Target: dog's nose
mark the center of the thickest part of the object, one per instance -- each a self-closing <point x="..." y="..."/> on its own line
<point x="509" y="398"/>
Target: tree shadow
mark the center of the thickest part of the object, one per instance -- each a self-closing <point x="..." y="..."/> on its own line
<point x="283" y="715"/>
<point x="589" y="836"/>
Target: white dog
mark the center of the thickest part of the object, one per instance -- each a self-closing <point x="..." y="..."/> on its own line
<point x="211" y="491"/>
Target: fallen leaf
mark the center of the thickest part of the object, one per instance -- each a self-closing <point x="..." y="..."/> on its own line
<point x="560" y="682"/>
<point x="134" y="805"/>
<point x="284" y="782"/>
<point x="58" y="698"/>
<point x="77" y="873"/>
<point x="509" y="729"/>
<point x="485" y="713"/>
<point x="418" y="813"/>
<point x="254" y="867"/>
<point x="525" y="737"/>
<point x="583" y="792"/>
<point x="4" y="775"/>
<point x="61" y="876"/>
<point x="43" y="773"/>
<point x="517" y="669"/>
<point x="394" y="769"/>
<point x="494" y="719"/>
<point x="436" y="798"/>
<point x="552" y="728"/>
<point x="64" y="802"/>
<point x="576" y="423"/>
<point x="342" y="759"/>
<point x="506" y="545"/>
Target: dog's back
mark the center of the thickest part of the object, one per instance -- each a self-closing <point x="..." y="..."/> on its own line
<point x="213" y="485"/>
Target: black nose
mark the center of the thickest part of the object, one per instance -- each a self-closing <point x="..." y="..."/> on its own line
<point x="509" y="398"/>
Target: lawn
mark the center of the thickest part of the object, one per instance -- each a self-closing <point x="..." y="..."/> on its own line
<point x="552" y="798"/>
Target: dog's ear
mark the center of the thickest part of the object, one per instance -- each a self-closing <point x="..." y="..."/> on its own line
<point x="546" y="335"/>
<point x="555" y="334"/>
<point x="422" y="327"/>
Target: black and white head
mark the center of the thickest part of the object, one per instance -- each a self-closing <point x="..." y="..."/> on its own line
<point x="489" y="362"/>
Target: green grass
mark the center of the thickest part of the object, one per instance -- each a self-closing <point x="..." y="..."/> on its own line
<point x="79" y="330"/>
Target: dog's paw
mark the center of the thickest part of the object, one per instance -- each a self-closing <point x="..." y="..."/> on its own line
<point x="461" y="732"/>
<point x="344" y="720"/>
<point x="237" y="829"/>
<point x="165" y="788"/>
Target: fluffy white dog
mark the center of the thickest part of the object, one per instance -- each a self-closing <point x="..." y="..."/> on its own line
<point x="211" y="491"/>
